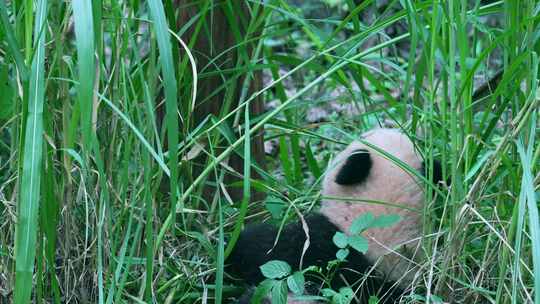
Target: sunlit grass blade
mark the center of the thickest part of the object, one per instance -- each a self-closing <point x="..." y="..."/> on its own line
<point x="27" y="221"/>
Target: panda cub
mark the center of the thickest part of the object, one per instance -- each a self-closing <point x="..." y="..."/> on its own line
<point x="359" y="180"/>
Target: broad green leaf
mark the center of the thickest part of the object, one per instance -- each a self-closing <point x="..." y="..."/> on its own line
<point x="84" y="34"/>
<point x="279" y="292"/>
<point x="275" y="269"/>
<point x="30" y="175"/>
<point x="296" y="283"/>
<point x="359" y="243"/>
<point x="262" y="290"/>
<point x="361" y="223"/>
<point x="340" y="239"/>
<point x="385" y="221"/>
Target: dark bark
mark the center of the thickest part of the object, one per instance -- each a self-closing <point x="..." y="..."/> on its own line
<point x="214" y="38"/>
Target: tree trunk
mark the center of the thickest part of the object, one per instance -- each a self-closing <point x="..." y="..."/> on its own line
<point x="215" y="38"/>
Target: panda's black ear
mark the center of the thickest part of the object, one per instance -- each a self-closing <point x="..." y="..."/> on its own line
<point x="355" y="169"/>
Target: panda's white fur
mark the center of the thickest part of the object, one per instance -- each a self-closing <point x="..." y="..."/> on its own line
<point x="387" y="183"/>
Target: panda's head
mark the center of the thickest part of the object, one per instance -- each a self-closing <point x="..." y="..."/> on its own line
<point x="362" y="179"/>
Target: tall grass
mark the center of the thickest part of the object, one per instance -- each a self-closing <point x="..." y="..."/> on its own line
<point x="104" y="199"/>
<point x="31" y="156"/>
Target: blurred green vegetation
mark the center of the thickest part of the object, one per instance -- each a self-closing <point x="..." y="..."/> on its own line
<point x="102" y="114"/>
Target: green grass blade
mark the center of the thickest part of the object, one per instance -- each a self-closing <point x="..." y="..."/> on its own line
<point x="312" y="162"/>
<point x="28" y="20"/>
<point x="246" y="184"/>
<point x="149" y="228"/>
<point x="50" y="213"/>
<point x="84" y="33"/>
<point x="138" y="134"/>
<point x="104" y="200"/>
<point x="169" y="82"/>
<point x="27" y="224"/>
<point x="220" y="257"/>
<point x="12" y="41"/>
<point x="528" y="194"/>
<point x="284" y="156"/>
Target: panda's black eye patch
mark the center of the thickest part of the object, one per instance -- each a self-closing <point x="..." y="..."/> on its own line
<point x="355" y="169"/>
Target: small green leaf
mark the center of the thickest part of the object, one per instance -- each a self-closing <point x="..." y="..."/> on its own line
<point x="346" y="292"/>
<point x="275" y="269"/>
<point x="334" y="3"/>
<point x="361" y="223"/>
<point x="340" y="239"/>
<point x="262" y="290"/>
<point x="279" y="292"/>
<point x="327" y="292"/>
<point x="373" y="300"/>
<point x="311" y="268"/>
<point x="76" y="156"/>
<point x="340" y="299"/>
<point x="479" y="164"/>
<point x="384" y="221"/>
<point x="276" y="207"/>
<point x="342" y="254"/>
<point x="359" y="243"/>
<point x="296" y="283"/>
<point x="436" y="299"/>
<point x="344" y="296"/>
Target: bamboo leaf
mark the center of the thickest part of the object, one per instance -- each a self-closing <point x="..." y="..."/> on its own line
<point x="84" y="33"/>
<point x="27" y="222"/>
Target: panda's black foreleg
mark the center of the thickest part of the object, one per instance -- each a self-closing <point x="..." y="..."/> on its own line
<point x="255" y="247"/>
